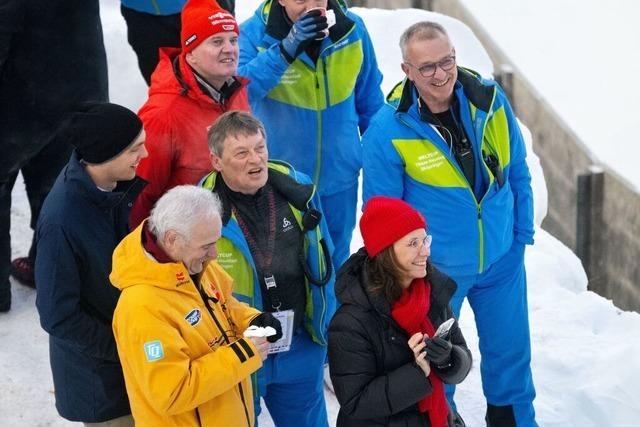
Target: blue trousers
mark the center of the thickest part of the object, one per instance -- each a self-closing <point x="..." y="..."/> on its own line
<point x="339" y="210"/>
<point x="498" y="298"/>
<point x="294" y="383"/>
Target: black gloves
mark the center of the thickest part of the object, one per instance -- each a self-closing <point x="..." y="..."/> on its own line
<point x="266" y="319"/>
<point x="438" y="351"/>
<point x="307" y="28"/>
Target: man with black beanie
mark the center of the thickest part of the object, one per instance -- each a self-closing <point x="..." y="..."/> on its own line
<point x="82" y="220"/>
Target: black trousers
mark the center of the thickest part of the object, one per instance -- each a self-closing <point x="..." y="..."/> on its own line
<point x="39" y="173"/>
<point x="147" y="33"/>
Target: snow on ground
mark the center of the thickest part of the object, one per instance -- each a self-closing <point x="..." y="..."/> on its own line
<point x="586" y="358"/>
<point x="582" y="57"/>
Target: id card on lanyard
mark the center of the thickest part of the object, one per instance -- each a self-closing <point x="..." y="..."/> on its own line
<point x="286" y="321"/>
<point x="285" y="317"/>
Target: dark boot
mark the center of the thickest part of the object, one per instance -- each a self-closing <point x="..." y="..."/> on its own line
<point x="500" y="416"/>
<point x="22" y="269"/>
<point x="5" y="297"/>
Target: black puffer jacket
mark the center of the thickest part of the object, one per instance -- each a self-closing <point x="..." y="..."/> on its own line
<point x="373" y="371"/>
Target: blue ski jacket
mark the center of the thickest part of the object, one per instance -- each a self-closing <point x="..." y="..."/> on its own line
<point x="235" y="256"/>
<point x="155" y="7"/>
<point x="313" y="111"/>
<point x="407" y="158"/>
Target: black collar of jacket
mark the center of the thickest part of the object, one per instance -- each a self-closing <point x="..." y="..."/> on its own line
<point x="352" y="280"/>
<point x="278" y="23"/>
<point x="125" y="190"/>
<point x="479" y="94"/>
<point x="295" y="193"/>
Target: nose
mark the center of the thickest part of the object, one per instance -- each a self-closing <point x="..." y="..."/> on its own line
<point x="440" y="73"/>
<point x="254" y="157"/>
<point x="144" y="152"/>
<point x="228" y="46"/>
<point x="212" y="252"/>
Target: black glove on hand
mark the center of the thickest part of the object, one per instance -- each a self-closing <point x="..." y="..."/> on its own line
<point x="266" y="319"/>
<point x="438" y="350"/>
<point x="306" y="29"/>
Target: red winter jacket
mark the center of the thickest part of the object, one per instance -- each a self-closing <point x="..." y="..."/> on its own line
<point x="176" y="117"/>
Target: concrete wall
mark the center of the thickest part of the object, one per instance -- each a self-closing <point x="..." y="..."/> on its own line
<point x="613" y="239"/>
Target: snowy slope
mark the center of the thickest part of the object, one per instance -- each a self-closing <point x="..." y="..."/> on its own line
<point x="586" y="361"/>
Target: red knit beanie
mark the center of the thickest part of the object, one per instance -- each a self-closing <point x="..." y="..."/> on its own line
<point x="385" y="220"/>
<point x="200" y="20"/>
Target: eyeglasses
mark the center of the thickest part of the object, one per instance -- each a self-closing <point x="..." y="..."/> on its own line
<point x="429" y="70"/>
<point x="421" y="243"/>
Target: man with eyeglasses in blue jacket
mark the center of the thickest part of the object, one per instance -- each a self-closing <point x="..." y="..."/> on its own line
<point x="448" y="143"/>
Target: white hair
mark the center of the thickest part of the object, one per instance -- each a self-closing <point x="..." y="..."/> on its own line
<point x="181" y="208"/>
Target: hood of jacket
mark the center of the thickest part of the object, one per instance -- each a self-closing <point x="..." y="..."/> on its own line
<point x="132" y="266"/>
<point x="174" y="76"/>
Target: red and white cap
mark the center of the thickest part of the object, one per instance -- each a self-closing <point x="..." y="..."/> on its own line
<point x="200" y="20"/>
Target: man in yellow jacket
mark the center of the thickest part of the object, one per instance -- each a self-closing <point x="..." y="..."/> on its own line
<point x="178" y="329"/>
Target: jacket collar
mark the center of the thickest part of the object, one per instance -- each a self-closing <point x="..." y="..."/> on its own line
<point x="185" y="82"/>
<point x="479" y="94"/>
<point x="76" y="175"/>
<point x="295" y="193"/>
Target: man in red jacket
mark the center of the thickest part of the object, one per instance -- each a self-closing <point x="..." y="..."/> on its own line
<point x="189" y="89"/>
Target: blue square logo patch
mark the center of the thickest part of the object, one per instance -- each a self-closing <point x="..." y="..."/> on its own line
<point x="153" y="350"/>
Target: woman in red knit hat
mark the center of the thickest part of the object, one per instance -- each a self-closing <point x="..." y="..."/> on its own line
<point x="388" y="364"/>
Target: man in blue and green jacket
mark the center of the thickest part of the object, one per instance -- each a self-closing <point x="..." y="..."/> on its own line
<point x="275" y="245"/>
<point x="448" y="142"/>
<point x="315" y="94"/>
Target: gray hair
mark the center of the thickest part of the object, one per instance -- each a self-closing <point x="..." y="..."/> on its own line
<point x="181" y="208"/>
<point x="424" y="30"/>
<point x="232" y="123"/>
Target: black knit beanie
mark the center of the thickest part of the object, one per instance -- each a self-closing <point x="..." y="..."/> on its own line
<point x="101" y="131"/>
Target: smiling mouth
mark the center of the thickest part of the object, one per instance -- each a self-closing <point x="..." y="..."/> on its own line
<point x="420" y="263"/>
<point x="228" y="61"/>
<point x="255" y="171"/>
<point x="443" y="83"/>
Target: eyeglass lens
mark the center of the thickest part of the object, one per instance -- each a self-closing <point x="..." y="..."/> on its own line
<point x="429" y="70"/>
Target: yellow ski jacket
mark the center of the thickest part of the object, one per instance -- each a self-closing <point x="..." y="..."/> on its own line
<point x="184" y="360"/>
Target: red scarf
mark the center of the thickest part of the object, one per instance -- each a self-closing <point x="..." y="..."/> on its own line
<point x="410" y="312"/>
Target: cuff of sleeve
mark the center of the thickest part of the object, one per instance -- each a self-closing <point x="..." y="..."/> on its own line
<point x="285" y="55"/>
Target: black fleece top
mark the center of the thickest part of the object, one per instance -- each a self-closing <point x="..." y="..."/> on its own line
<point x="275" y="253"/>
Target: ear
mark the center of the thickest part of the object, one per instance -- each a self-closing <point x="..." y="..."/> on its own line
<point x="190" y="58"/>
<point x="405" y="69"/>
<point x="170" y="240"/>
<point x="281" y="2"/>
<point x="216" y="162"/>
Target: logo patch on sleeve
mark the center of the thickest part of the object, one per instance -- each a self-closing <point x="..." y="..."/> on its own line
<point x="153" y="350"/>
<point x="193" y="317"/>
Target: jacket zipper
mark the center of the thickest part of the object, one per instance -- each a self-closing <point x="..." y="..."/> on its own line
<point x="468" y="187"/>
<point x="226" y="339"/>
